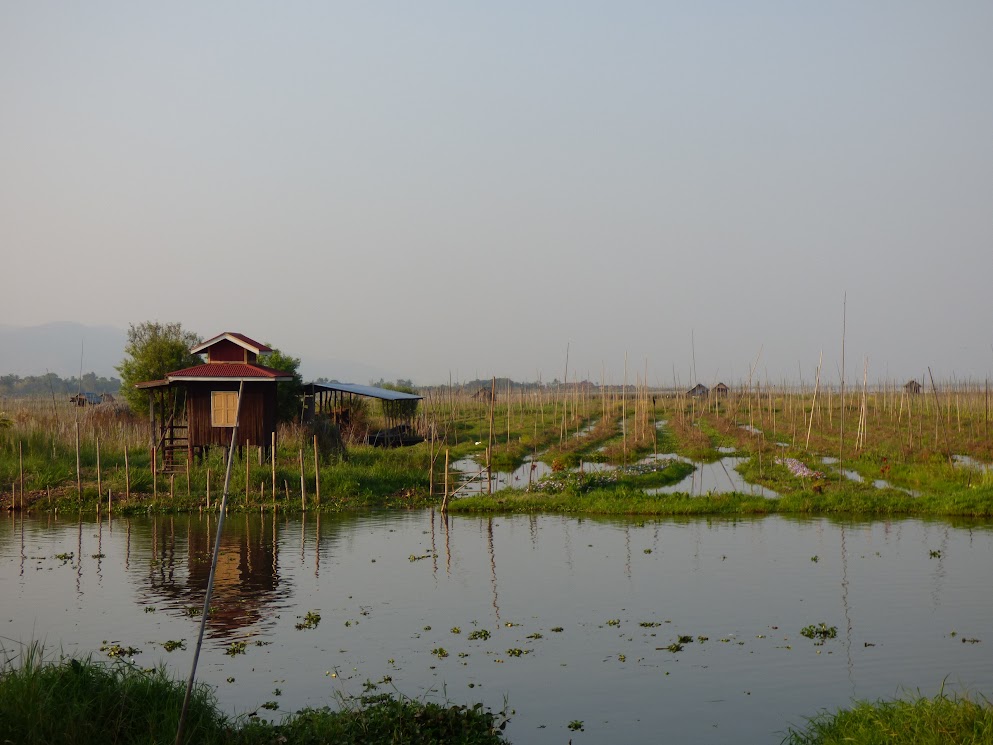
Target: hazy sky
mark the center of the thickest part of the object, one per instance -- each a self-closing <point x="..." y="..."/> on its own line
<point x="440" y="188"/>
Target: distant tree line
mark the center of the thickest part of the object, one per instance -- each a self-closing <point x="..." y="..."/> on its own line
<point x="14" y="386"/>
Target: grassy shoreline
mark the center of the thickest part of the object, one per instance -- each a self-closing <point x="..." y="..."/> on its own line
<point x="79" y="701"/>
<point x="858" y="502"/>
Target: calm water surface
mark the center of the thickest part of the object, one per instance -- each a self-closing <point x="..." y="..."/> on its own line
<point x="393" y="590"/>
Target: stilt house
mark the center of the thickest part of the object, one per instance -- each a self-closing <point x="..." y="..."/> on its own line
<point x="720" y="390"/>
<point x="698" y="391"/>
<point x="912" y="387"/>
<point x="206" y="413"/>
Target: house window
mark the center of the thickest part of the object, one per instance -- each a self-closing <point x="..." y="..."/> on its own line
<point x="223" y="408"/>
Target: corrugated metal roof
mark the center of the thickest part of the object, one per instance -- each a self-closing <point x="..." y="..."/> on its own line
<point x="229" y="371"/>
<point x="240" y="339"/>
<point x="369" y="391"/>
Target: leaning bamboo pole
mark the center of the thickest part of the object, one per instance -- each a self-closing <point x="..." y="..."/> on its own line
<point x="213" y="573"/>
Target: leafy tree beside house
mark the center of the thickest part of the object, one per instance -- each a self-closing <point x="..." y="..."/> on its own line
<point x="152" y="350"/>
<point x="288" y="395"/>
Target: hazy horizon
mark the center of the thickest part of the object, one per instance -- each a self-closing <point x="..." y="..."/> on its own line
<point x="446" y="190"/>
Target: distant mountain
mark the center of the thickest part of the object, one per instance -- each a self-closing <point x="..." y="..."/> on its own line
<point x="56" y="348"/>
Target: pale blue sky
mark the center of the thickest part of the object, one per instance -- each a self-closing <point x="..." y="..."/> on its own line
<point x="466" y="188"/>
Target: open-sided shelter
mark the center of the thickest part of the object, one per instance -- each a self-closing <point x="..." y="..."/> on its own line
<point x="206" y="413"/>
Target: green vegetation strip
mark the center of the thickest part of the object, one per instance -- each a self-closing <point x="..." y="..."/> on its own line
<point x="856" y="500"/>
<point x="83" y="702"/>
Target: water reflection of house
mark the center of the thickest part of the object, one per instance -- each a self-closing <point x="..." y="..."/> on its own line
<point x="247" y="585"/>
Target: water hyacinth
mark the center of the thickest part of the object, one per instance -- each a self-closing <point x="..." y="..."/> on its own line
<point x="799" y="469"/>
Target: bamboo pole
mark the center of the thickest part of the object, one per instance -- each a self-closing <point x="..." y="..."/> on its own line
<point x="303" y="485"/>
<point x="79" y="475"/>
<point x="444" y="501"/>
<point x="317" y="475"/>
<point x="841" y="440"/>
<point x="489" y="447"/>
<point x="20" y="467"/>
<point x="127" y="476"/>
<point x="99" y="484"/>
<point x="272" y="457"/>
<point x="248" y="447"/>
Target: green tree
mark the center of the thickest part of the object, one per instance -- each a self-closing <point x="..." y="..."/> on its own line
<point x="287" y="394"/>
<point x="153" y="350"/>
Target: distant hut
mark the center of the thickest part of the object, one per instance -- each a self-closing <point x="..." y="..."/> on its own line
<point x="698" y="391"/>
<point x="912" y="387"/>
<point x="484" y="394"/>
<point x="720" y="390"/>
<point x="210" y="404"/>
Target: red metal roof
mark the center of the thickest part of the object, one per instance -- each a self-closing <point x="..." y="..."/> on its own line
<point x="240" y="339"/>
<point x="229" y="371"/>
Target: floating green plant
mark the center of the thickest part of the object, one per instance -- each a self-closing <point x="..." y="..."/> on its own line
<point x="310" y="620"/>
<point x="820" y="631"/>
<point x="116" y="650"/>
<point x="479" y="634"/>
<point x="236" y="648"/>
<point x="173" y="644"/>
<point x="440" y="652"/>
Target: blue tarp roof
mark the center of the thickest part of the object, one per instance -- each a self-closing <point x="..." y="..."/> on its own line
<point x="370" y="391"/>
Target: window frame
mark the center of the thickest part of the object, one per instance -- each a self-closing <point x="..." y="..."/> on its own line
<point x="223" y="408"/>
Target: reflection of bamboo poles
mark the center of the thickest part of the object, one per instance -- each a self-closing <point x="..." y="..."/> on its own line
<point x="493" y="575"/>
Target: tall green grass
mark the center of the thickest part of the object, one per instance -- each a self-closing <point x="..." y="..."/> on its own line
<point x="73" y="701"/>
<point x="916" y="721"/>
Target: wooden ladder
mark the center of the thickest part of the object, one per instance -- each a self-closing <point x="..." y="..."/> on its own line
<point x="175" y="449"/>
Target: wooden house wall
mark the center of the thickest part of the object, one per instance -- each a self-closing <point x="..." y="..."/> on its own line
<point x="227" y="351"/>
<point x="257" y="419"/>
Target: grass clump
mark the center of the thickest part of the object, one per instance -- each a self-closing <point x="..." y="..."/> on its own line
<point x="82" y="702"/>
<point x="919" y="720"/>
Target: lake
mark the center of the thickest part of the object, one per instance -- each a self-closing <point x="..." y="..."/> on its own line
<point x="566" y="619"/>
